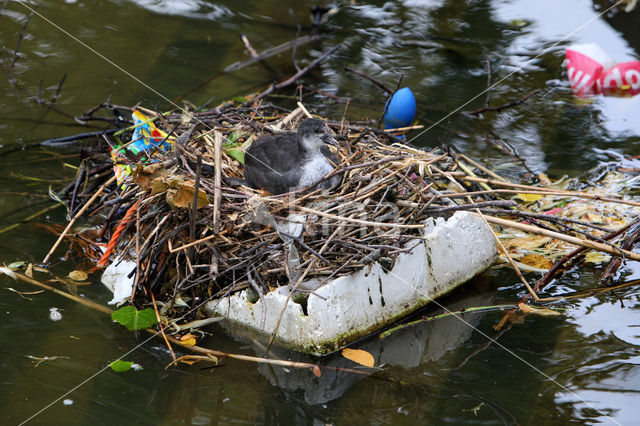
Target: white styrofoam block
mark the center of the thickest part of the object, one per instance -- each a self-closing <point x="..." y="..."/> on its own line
<point x="353" y="306"/>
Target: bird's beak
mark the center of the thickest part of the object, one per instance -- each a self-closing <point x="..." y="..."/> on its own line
<point x="328" y="139"/>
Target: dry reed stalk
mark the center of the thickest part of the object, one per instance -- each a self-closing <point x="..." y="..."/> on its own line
<point x="77" y="215"/>
<point x="573" y="240"/>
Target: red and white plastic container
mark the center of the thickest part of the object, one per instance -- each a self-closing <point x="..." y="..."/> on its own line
<point x="591" y="71"/>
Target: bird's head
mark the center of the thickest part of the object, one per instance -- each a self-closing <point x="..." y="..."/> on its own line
<point x="314" y="133"/>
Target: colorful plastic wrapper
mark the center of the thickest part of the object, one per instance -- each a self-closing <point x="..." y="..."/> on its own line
<point x="146" y="142"/>
<point x="591" y="71"/>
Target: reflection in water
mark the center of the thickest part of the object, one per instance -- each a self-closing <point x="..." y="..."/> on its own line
<point x="408" y="348"/>
<point x="189" y="8"/>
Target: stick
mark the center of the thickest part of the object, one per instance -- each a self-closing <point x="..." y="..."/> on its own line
<point x="504" y="106"/>
<point x="173" y="340"/>
<point x="573" y="240"/>
<point x="64" y="140"/>
<point x="509" y="258"/>
<point x="371" y="79"/>
<point x="217" y="191"/>
<point x="12" y="79"/>
<point x="306" y="112"/>
<point x="77" y="215"/>
<point x="241" y="64"/>
<point x="78" y="299"/>
<point x="544" y="191"/>
<point x="299" y="74"/>
<point x="28" y="218"/>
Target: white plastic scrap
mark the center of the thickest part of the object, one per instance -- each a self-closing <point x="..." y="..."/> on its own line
<point x="116" y="279"/>
<point x="55" y="314"/>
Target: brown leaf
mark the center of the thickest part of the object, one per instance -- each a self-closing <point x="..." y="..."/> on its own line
<point x="78" y="275"/>
<point x="538" y="311"/>
<point x="537" y="260"/>
<point x="145" y="176"/>
<point x="29" y="271"/>
<point x="359" y="356"/>
<point x="316" y="371"/>
<point x="183" y="197"/>
<point x="158" y="186"/>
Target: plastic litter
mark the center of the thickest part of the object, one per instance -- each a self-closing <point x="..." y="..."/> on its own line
<point x="591" y="71"/>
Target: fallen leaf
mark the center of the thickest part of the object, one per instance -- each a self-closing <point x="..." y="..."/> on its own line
<point x="526" y="243"/>
<point x="120" y="366"/>
<point x="183" y="196"/>
<point x="237" y="154"/>
<point x="359" y="356"/>
<point x="29" y="271"/>
<point x="529" y="198"/>
<point x="134" y="319"/>
<point x="78" y="275"/>
<point x="316" y="371"/>
<point x="537" y="260"/>
<point x="538" y="311"/>
<point x="9" y="272"/>
<point x="158" y="186"/>
<point x="146" y="176"/>
<point x="597" y="257"/>
<point x="188" y="339"/>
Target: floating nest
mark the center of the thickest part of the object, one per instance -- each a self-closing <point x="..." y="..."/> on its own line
<point x="195" y="232"/>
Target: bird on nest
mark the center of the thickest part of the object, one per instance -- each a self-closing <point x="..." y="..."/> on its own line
<point x="292" y="161"/>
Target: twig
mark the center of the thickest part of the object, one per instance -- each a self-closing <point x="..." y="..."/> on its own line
<point x="482" y="204"/>
<point x="544" y="191"/>
<point x="218" y="181"/>
<point x="524" y="281"/>
<point x="12" y="79"/>
<point x="30" y="217"/>
<point x="503" y="106"/>
<point x="299" y="74"/>
<point x="159" y="318"/>
<point x="64" y="140"/>
<point x="371" y="79"/>
<point x="573" y="240"/>
<point x="241" y="64"/>
<point x="77" y="215"/>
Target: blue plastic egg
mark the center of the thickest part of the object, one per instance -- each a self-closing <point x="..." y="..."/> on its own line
<point x="401" y="110"/>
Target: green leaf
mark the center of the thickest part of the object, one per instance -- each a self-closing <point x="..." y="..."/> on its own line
<point x="120" y="366"/>
<point x="134" y="319"/>
<point x="236" y="154"/>
<point x="232" y="138"/>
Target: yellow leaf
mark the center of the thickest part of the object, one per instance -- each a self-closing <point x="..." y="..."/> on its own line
<point x="538" y="311"/>
<point x="597" y="257"/>
<point x="77" y="275"/>
<point x="183" y="197"/>
<point x="529" y="198"/>
<point x="537" y="260"/>
<point x="526" y="243"/>
<point x="359" y="356"/>
<point x="188" y="339"/>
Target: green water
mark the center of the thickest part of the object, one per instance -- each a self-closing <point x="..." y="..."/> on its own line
<point x="438" y="373"/>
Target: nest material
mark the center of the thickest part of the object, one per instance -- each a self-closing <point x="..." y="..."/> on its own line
<point x="241" y="237"/>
